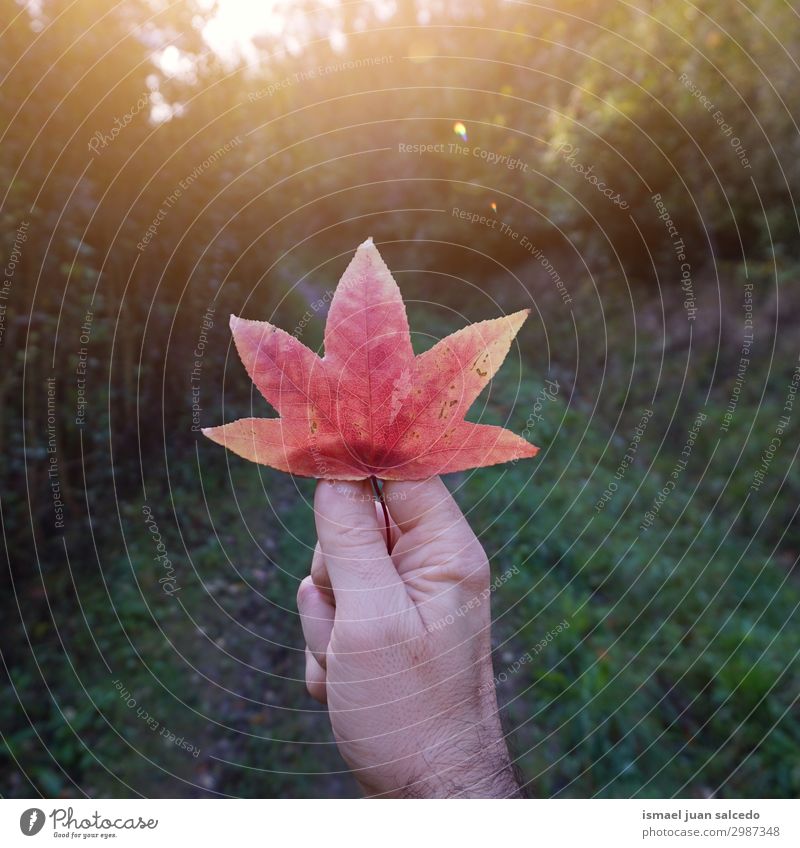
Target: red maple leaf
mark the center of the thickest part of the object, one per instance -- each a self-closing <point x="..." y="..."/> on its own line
<point x="369" y="407"/>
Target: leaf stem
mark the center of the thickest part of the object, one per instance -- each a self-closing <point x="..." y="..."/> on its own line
<point x="379" y="495"/>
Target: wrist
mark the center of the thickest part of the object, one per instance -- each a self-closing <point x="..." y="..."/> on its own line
<point x="461" y="756"/>
<point x="470" y="759"/>
<point x="489" y="774"/>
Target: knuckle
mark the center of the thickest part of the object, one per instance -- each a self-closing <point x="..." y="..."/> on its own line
<point x="351" y="535"/>
<point x="464" y="564"/>
<point x="317" y="690"/>
<point x="303" y="591"/>
<point x="473" y="570"/>
<point x="319" y="574"/>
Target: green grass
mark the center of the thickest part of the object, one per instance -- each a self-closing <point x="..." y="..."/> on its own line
<point x="679" y="669"/>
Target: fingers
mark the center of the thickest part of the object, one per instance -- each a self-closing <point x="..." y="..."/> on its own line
<point x="364" y="580"/>
<point x="317" y="612"/>
<point x="426" y="505"/>
<point x="319" y="574"/>
<point x="436" y="540"/>
<point x="316" y="617"/>
<point x="315" y="679"/>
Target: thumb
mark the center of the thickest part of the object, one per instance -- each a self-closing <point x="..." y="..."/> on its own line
<point x="363" y="577"/>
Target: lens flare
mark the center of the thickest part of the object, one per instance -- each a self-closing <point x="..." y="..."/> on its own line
<point x="460" y="130"/>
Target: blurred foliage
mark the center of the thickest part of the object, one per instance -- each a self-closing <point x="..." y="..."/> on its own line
<point x="679" y="670"/>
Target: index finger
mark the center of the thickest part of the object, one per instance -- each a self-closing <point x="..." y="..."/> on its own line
<point x="424" y="504"/>
<point x="436" y="536"/>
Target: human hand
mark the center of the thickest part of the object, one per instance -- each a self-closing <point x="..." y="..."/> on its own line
<point x="399" y="646"/>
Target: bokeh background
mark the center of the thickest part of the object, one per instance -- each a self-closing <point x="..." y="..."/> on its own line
<point x="637" y="166"/>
